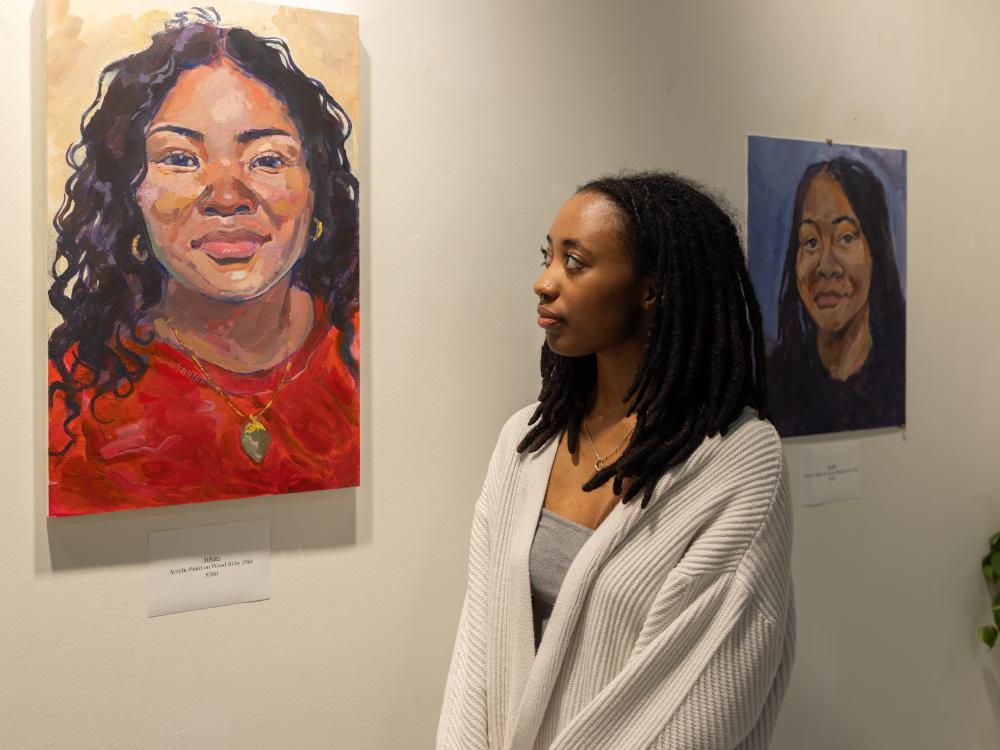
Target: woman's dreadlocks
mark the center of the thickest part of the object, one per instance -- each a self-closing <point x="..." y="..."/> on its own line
<point x="703" y="360"/>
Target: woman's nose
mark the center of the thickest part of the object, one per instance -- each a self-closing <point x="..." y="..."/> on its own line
<point x="828" y="264"/>
<point x="226" y="195"/>
<point x="544" y="287"/>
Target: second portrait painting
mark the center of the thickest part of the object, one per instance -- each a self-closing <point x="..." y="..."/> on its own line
<point x="204" y="278"/>
<point x="827" y="256"/>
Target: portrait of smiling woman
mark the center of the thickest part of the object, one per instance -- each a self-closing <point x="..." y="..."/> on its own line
<point x="206" y="276"/>
<point x="840" y="355"/>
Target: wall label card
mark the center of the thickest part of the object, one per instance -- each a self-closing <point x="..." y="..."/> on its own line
<point x="209" y="566"/>
<point x="831" y="472"/>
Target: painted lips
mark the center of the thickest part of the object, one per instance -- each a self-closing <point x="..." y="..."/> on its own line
<point x="230" y="246"/>
<point x="826" y="300"/>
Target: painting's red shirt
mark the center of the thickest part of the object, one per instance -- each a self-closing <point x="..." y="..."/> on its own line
<point x="175" y="440"/>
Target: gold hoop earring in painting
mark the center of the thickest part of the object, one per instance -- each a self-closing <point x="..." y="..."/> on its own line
<point x="317" y="229"/>
<point x="139" y="253"/>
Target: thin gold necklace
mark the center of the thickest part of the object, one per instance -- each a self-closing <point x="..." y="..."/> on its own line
<point x="254" y="437"/>
<point x="600" y="461"/>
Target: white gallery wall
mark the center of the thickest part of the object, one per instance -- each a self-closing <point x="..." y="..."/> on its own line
<point x="478" y="119"/>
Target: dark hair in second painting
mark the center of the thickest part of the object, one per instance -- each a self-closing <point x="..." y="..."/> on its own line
<point x="100" y="289"/>
<point x="703" y="359"/>
<point x="864" y="191"/>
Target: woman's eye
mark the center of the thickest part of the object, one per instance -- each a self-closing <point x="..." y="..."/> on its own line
<point x="180" y="159"/>
<point x="810" y="244"/>
<point x="847" y="239"/>
<point x="573" y="263"/>
<point x="546" y="258"/>
<point x="267" y="161"/>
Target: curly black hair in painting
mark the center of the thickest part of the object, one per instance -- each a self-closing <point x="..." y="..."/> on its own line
<point x="865" y="193"/>
<point x="703" y="358"/>
<point x="101" y="290"/>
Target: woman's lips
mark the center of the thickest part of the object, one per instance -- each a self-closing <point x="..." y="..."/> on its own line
<point x="826" y="300"/>
<point x="230" y="250"/>
<point x="547" y="320"/>
<point x="230" y="246"/>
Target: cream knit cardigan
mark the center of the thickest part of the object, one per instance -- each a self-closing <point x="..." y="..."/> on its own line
<point x="675" y="625"/>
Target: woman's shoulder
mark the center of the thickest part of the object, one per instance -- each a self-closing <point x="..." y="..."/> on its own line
<point x="751" y="430"/>
<point x="331" y="351"/>
<point x="733" y="490"/>
<point x="749" y="433"/>
<point x="518" y="422"/>
<point x="748" y="454"/>
<point x="513" y="430"/>
<point x="751" y="454"/>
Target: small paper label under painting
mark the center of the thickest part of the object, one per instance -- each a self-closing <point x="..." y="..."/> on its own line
<point x="209" y="566"/>
<point x="831" y="472"/>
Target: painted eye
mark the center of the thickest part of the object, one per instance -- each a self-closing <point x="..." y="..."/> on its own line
<point x="811" y="243"/>
<point x="847" y="239"/>
<point x="267" y="161"/>
<point x="180" y="159"/>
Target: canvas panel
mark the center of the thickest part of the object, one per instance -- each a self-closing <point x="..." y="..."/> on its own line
<point x="204" y="318"/>
<point x="827" y="257"/>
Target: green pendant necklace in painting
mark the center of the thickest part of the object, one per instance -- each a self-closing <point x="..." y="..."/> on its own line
<point x="254" y="437"/>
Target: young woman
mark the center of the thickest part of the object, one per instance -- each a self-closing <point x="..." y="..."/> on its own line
<point x="840" y="359"/>
<point x="206" y="274"/>
<point x="629" y="582"/>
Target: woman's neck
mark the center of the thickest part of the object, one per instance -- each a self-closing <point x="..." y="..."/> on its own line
<point x="243" y="336"/>
<point x="616" y="372"/>
<point x="844" y="352"/>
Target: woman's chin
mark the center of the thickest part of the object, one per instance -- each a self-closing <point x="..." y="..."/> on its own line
<point x="232" y="286"/>
<point x="559" y="345"/>
<point x="835" y="321"/>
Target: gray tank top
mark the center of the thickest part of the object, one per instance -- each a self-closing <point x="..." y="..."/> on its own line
<point x="557" y="542"/>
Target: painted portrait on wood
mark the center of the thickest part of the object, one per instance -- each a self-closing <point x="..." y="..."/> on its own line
<point x="827" y="256"/>
<point x="204" y="322"/>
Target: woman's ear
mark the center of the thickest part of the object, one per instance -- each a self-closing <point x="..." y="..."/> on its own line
<point x="648" y="290"/>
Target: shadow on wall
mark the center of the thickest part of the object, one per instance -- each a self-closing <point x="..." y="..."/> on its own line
<point x="310" y="520"/>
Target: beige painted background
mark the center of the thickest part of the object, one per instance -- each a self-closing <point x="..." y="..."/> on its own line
<point x="478" y="118"/>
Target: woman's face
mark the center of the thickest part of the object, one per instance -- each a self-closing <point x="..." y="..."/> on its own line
<point x="833" y="265"/>
<point x="590" y="299"/>
<point x="226" y="198"/>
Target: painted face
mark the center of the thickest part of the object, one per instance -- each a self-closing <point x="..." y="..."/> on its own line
<point x="833" y="265"/>
<point x="590" y="298"/>
<point x="226" y="197"/>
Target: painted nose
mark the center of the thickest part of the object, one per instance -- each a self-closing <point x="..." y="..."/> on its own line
<point x="227" y="196"/>
<point x="828" y="264"/>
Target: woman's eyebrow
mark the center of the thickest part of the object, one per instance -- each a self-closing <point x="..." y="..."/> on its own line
<point x="186" y="132"/>
<point x="571" y="242"/>
<point x="836" y="221"/>
<point x="846" y="218"/>
<point x="252" y="135"/>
